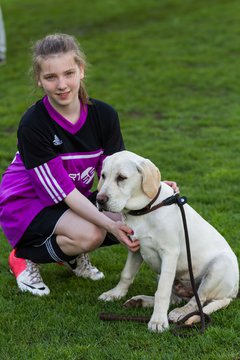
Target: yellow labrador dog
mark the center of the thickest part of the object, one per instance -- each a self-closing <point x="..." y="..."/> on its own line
<point x="130" y="182"/>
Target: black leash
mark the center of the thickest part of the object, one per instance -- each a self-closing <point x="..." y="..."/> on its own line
<point x="180" y="328"/>
<point x="205" y="319"/>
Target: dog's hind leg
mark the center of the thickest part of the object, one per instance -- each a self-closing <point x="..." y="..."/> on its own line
<point x="208" y="309"/>
<point x="148" y="301"/>
<point x="178" y="313"/>
<point x="217" y="288"/>
<point x="140" y="301"/>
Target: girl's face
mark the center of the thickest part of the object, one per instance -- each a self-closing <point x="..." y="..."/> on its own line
<point x="60" y="78"/>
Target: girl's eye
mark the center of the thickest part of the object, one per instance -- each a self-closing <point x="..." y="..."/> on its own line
<point x="69" y="73"/>
<point x="50" y="77"/>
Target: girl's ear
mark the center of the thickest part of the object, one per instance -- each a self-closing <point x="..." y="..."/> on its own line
<point x="82" y="72"/>
<point x="39" y="83"/>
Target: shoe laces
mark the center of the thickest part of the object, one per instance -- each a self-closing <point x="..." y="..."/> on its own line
<point x="33" y="272"/>
<point x="85" y="261"/>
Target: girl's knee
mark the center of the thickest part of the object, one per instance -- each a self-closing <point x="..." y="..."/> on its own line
<point x="80" y="239"/>
<point x="80" y="243"/>
<point x="94" y="239"/>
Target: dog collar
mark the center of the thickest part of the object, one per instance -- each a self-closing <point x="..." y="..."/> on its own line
<point x="149" y="208"/>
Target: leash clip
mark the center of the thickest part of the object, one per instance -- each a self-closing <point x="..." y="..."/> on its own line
<point x="181" y="200"/>
<point x="171" y="200"/>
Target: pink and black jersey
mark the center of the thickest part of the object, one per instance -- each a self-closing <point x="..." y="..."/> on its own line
<point x="54" y="157"/>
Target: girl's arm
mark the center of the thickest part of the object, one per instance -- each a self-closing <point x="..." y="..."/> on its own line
<point x="84" y="208"/>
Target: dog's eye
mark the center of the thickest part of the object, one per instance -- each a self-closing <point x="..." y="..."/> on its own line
<point x="121" y="178"/>
<point x="103" y="176"/>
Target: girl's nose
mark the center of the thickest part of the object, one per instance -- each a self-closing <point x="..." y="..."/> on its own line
<point x="61" y="84"/>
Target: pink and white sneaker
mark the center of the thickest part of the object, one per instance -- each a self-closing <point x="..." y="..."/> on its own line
<point x="27" y="275"/>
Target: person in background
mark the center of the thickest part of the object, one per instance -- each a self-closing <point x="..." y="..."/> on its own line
<point x="47" y="209"/>
<point x="3" y="46"/>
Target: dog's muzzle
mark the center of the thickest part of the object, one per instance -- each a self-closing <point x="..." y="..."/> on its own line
<point x="102" y="200"/>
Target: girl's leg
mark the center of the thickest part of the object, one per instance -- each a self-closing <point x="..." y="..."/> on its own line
<point x="73" y="236"/>
<point x="76" y="235"/>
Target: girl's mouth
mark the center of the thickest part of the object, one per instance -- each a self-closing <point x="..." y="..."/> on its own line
<point x="64" y="96"/>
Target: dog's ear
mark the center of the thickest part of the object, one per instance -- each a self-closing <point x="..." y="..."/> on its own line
<point x="151" y="178"/>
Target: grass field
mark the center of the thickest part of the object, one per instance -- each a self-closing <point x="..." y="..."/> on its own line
<point x="171" y="69"/>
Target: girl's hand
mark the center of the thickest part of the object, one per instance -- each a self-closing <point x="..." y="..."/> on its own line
<point x="85" y="209"/>
<point x="122" y="233"/>
<point x="173" y="185"/>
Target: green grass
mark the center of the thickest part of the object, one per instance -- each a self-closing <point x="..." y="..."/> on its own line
<point x="171" y="69"/>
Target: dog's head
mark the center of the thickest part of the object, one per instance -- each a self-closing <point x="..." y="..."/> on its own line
<point x="127" y="181"/>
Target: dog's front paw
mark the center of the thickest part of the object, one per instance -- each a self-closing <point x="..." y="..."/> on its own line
<point x="158" y="324"/>
<point x="113" y="294"/>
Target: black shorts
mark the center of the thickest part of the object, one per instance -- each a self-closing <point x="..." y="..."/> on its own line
<point x="43" y="225"/>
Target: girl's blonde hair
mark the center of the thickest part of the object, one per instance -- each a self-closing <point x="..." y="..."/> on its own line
<point x="55" y="44"/>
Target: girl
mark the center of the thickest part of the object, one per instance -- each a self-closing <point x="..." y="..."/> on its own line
<point x="46" y="205"/>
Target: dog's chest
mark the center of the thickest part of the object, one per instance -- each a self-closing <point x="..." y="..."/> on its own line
<point x="151" y="257"/>
<point x="150" y="248"/>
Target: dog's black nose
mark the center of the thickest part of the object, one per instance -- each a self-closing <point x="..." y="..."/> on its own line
<point x="102" y="199"/>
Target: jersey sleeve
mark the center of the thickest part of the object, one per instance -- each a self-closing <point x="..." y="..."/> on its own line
<point x="47" y="174"/>
<point x="51" y="182"/>
<point x="34" y="146"/>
